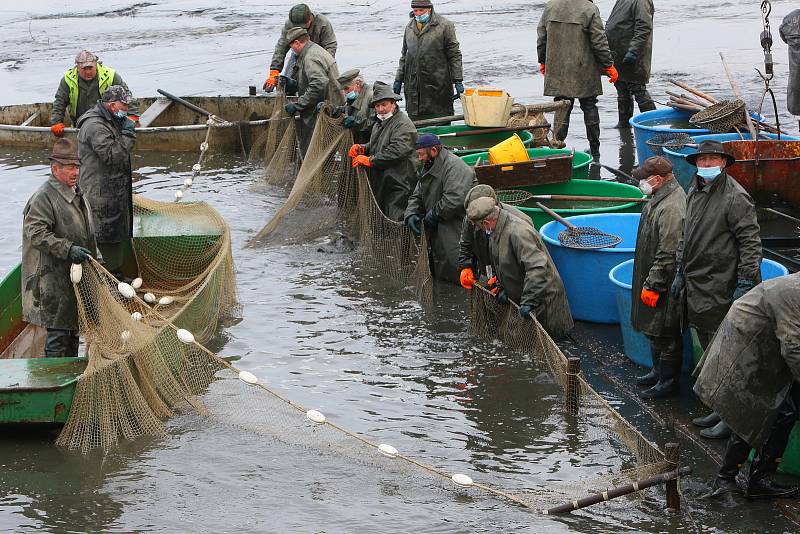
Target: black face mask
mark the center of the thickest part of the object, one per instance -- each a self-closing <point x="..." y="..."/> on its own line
<point x="428" y="164"/>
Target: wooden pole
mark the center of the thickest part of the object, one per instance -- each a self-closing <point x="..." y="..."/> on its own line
<point x="573" y="390"/>
<point x="438" y="120"/>
<point x="753" y="133"/>
<point x="672" y="452"/>
<point x="695" y="92"/>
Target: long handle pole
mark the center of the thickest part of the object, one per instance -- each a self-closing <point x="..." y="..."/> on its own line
<point x="555" y="215"/>
<point x="438" y="120"/>
<point x="750" y="126"/>
<point x="588" y="198"/>
<point x="483" y="131"/>
<point x="695" y="92"/>
<point x="186" y="103"/>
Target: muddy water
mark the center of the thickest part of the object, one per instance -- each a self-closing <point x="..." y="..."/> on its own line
<point x="327" y="333"/>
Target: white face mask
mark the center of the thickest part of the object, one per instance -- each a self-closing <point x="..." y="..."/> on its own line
<point x="385" y="116"/>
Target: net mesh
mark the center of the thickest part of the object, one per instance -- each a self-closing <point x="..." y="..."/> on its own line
<point x="721" y="117"/>
<point x="586" y="237"/>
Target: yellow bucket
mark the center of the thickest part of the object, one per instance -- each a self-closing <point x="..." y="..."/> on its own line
<point x="512" y="150"/>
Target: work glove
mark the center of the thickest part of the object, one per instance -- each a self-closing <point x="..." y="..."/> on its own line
<point x="742" y="287"/>
<point x="459" y="88"/>
<point x="290" y="108"/>
<point x="431" y="220"/>
<point x="501" y="296"/>
<point x="678" y="284"/>
<point x="467" y="278"/>
<point x="397" y="86"/>
<point x="348" y="122"/>
<point x="491" y="283"/>
<point x="412" y="221"/>
<point x="57" y="129"/>
<point x="630" y="58"/>
<point x="78" y="254"/>
<point x="128" y="127"/>
<point x="361" y="160"/>
<point x="649" y="298"/>
<point x="318" y="107"/>
<point x="541" y="68"/>
<point x="612" y="74"/>
<point x="525" y="310"/>
<point x="351" y="98"/>
<point x="272" y="80"/>
<point x="289" y="84"/>
<point x="356" y="150"/>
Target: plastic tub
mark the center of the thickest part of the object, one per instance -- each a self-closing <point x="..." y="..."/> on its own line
<point x="591" y="295"/>
<point x="583" y="187"/>
<point x="486" y="107"/>
<point x="657" y="122"/>
<point x="473" y="144"/>
<point x="580" y="160"/>
<point x="509" y="151"/>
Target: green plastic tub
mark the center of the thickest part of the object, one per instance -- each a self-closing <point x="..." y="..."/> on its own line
<point x="580" y="160"/>
<point x="581" y="187"/>
<point x="473" y="144"/>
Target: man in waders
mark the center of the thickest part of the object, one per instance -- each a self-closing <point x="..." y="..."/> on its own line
<point x="80" y="89"/>
<point x="438" y="203"/>
<point x="790" y="33"/>
<point x="573" y="53"/>
<point x="525" y="273"/>
<point x="719" y="256"/>
<point x="749" y="375"/>
<point x="430" y="64"/>
<point x="654" y="311"/>
<point x="359" y="115"/>
<point x="630" y="36"/>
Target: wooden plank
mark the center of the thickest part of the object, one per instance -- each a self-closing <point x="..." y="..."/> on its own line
<point x="30" y="119"/>
<point x="28" y="344"/>
<point x="154" y="111"/>
<point x="538" y="171"/>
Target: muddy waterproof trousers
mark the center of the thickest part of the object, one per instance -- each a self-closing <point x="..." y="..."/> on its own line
<point x="61" y="343"/>
<point x="627" y="92"/>
<point x="591" y="119"/>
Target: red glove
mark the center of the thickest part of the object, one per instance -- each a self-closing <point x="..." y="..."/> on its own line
<point x="57" y="129"/>
<point x="356" y="150"/>
<point x="612" y="74"/>
<point x="649" y="298"/>
<point x="491" y="282"/>
<point x="467" y="278"/>
<point x="272" y="81"/>
<point x="361" y="160"/>
<point x="541" y="68"/>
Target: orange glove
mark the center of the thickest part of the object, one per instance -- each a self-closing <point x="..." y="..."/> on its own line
<point x="134" y="118"/>
<point x="612" y="74"/>
<point x="356" y="150"/>
<point x="361" y="160"/>
<point x="57" y="129"/>
<point x="494" y="290"/>
<point x="650" y="298"/>
<point x="467" y="278"/>
<point x="541" y="68"/>
<point x="272" y="80"/>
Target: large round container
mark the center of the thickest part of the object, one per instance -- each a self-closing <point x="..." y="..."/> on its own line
<point x="637" y="348"/>
<point x="590" y="293"/>
<point x="580" y="160"/>
<point x="569" y="208"/>
<point x="658" y="122"/>
<point x="684" y="171"/>
<point x="472" y="144"/>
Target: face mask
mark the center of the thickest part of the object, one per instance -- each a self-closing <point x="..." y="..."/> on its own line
<point x="384" y="116"/>
<point x="488" y="232"/>
<point x="423" y="19"/>
<point x="428" y="164"/>
<point x="708" y="173"/>
<point x="120" y="114"/>
<point x="646" y="187"/>
<point x="351" y="97"/>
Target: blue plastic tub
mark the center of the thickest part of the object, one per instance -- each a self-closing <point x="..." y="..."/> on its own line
<point x="684" y="171"/>
<point x="657" y="122"/>
<point x="590" y="293"/>
<point x="637" y="348"/>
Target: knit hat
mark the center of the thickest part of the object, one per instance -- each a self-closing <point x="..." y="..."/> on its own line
<point x="480" y="208"/>
<point x="427" y="140"/>
<point x="479" y="191"/>
<point x="299" y="14"/>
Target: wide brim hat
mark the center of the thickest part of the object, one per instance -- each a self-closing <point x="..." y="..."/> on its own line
<point x="65" y="151"/>
<point x="711" y="147"/>
<point x="381" y="91"/>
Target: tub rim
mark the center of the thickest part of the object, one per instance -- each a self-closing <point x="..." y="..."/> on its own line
<point x="618" y="250"/>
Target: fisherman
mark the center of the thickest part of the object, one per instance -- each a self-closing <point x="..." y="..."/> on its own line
<point x="56" y="231"/>
<point x="319" y="30"/>
<point x="525" y="273"/>
<point x="573" y="52"/>
<point x="474" y="258"/>
<point x="80" y="89"/>
<point x="749" y="375"/>
<point x="359" y="115"/>
<point x="719" y="255"/>
<point x="316" y="74"/>
<point x="105" y="143"/>
<point x="630" y="36"/>
<point x="790" y="33"/>
<point x="390" y="155"/>
<point x="430" y="64"/>
<point x="654" y="311"/>
<point x="438" y="203"/>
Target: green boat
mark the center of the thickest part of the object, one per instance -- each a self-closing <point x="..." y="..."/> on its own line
<point x="580" y="160"/>
<point x="187" y="238"/>
<point x="473" y="144"/>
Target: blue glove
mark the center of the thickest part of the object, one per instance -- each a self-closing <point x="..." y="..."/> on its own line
<point x="348" y="122"/>
<point x="678" y="284"/>
<point x="459" y="87"/>
<point x="128" y="127"/>
<point x="351" y="98"/>
<point x="412" y="221"/>
<point x="525" y="310"/>
<point x="431" y="220"/>
<point x="742" y="287"/>
<point x="291" y="109"/>
<point x="397" y="86"/>
<point x="78" y="254"/>
<point x="502" y="296"/>
<point x="630" y="58"/>
<point x="318" y="108"/>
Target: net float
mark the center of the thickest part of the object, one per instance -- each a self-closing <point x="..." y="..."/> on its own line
<point x="185" y="336"/>
<point x="387" y="450"/>
<point x="149" y="298"/>
<point x="248" y="377"/>
<point x="315" y="416"/>
<point x="462" y="479"/>
<point x="76" y="273"/>
<point x="126" y="290"/>
<point x="188" y="182"/>
<point x="179" y="194"/>
<point x="136" y="283"/>
<point x="165" y="301"/>
<point x="136" y="316"/>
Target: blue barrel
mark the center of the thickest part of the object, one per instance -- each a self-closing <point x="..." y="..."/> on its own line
<point x="590" y="293"/>
<point x="658" y="122"/>
<point x="637" y="348"/>
<point x="684" y="171"/>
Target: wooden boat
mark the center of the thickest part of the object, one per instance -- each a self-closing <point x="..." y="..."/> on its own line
<point x="36" y="390"/>
<point x="176" y="129"/>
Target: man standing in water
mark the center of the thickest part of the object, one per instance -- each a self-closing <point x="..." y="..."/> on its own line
<point x="573" y="53"/>
<point x="630" y="36"/>
<point x="790" y="33"/>
<point x="430" y="64"/>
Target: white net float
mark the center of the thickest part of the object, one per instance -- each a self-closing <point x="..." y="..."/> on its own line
<point x="178" y="194"/>
<point x="185" y="336"/>
<point x="203" y="146"/>
<point x="136" y="316"/>
<point x="149" y="298"/>
<point x="196" y="167"/>
<point x="462" y="479"/>
<point x="315" y="416"/>
<point x="76" y="273"/>
<point x="165" y="301"/>
<point x="126" y="290"/>
<point x="188" y="182"/>
<point x="248" y="377"/>
<point x="136" y="283"/>
<point x="125" y="336"/>
<point x="387" y="450"/>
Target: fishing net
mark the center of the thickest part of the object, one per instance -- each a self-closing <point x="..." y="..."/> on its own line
<point x="672" y="140"/>
<point x="277" y="146"/>
<point x="533" y="115"/>
<point x="721" y="117"/>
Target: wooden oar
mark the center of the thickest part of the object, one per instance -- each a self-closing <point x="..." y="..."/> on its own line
<point x="753" y="134"/>
<point x="518" y="196"/>
<point x="438" y="120"/>
<point x="188" y="104"/>
<point x="483" y="131"/>
<point x="695" y="92"/>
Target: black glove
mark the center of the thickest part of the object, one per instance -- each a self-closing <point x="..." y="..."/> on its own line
<point x="397" y="86"/>
<point x="525" y="310"/>
<point x="128" y="127"/>
<point x="412" y="221"/>
<point x="78" y="254"/>
<point x="348" y="122"/>
<point x="431" y="220"/>
<point x="291" y="109"/>
<point x="742" y="287"/>
<point x="630" y="58"/>
<point x="502" y="296"/>
<point x="678" y="284"/>
<point x="459" y="88"/>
